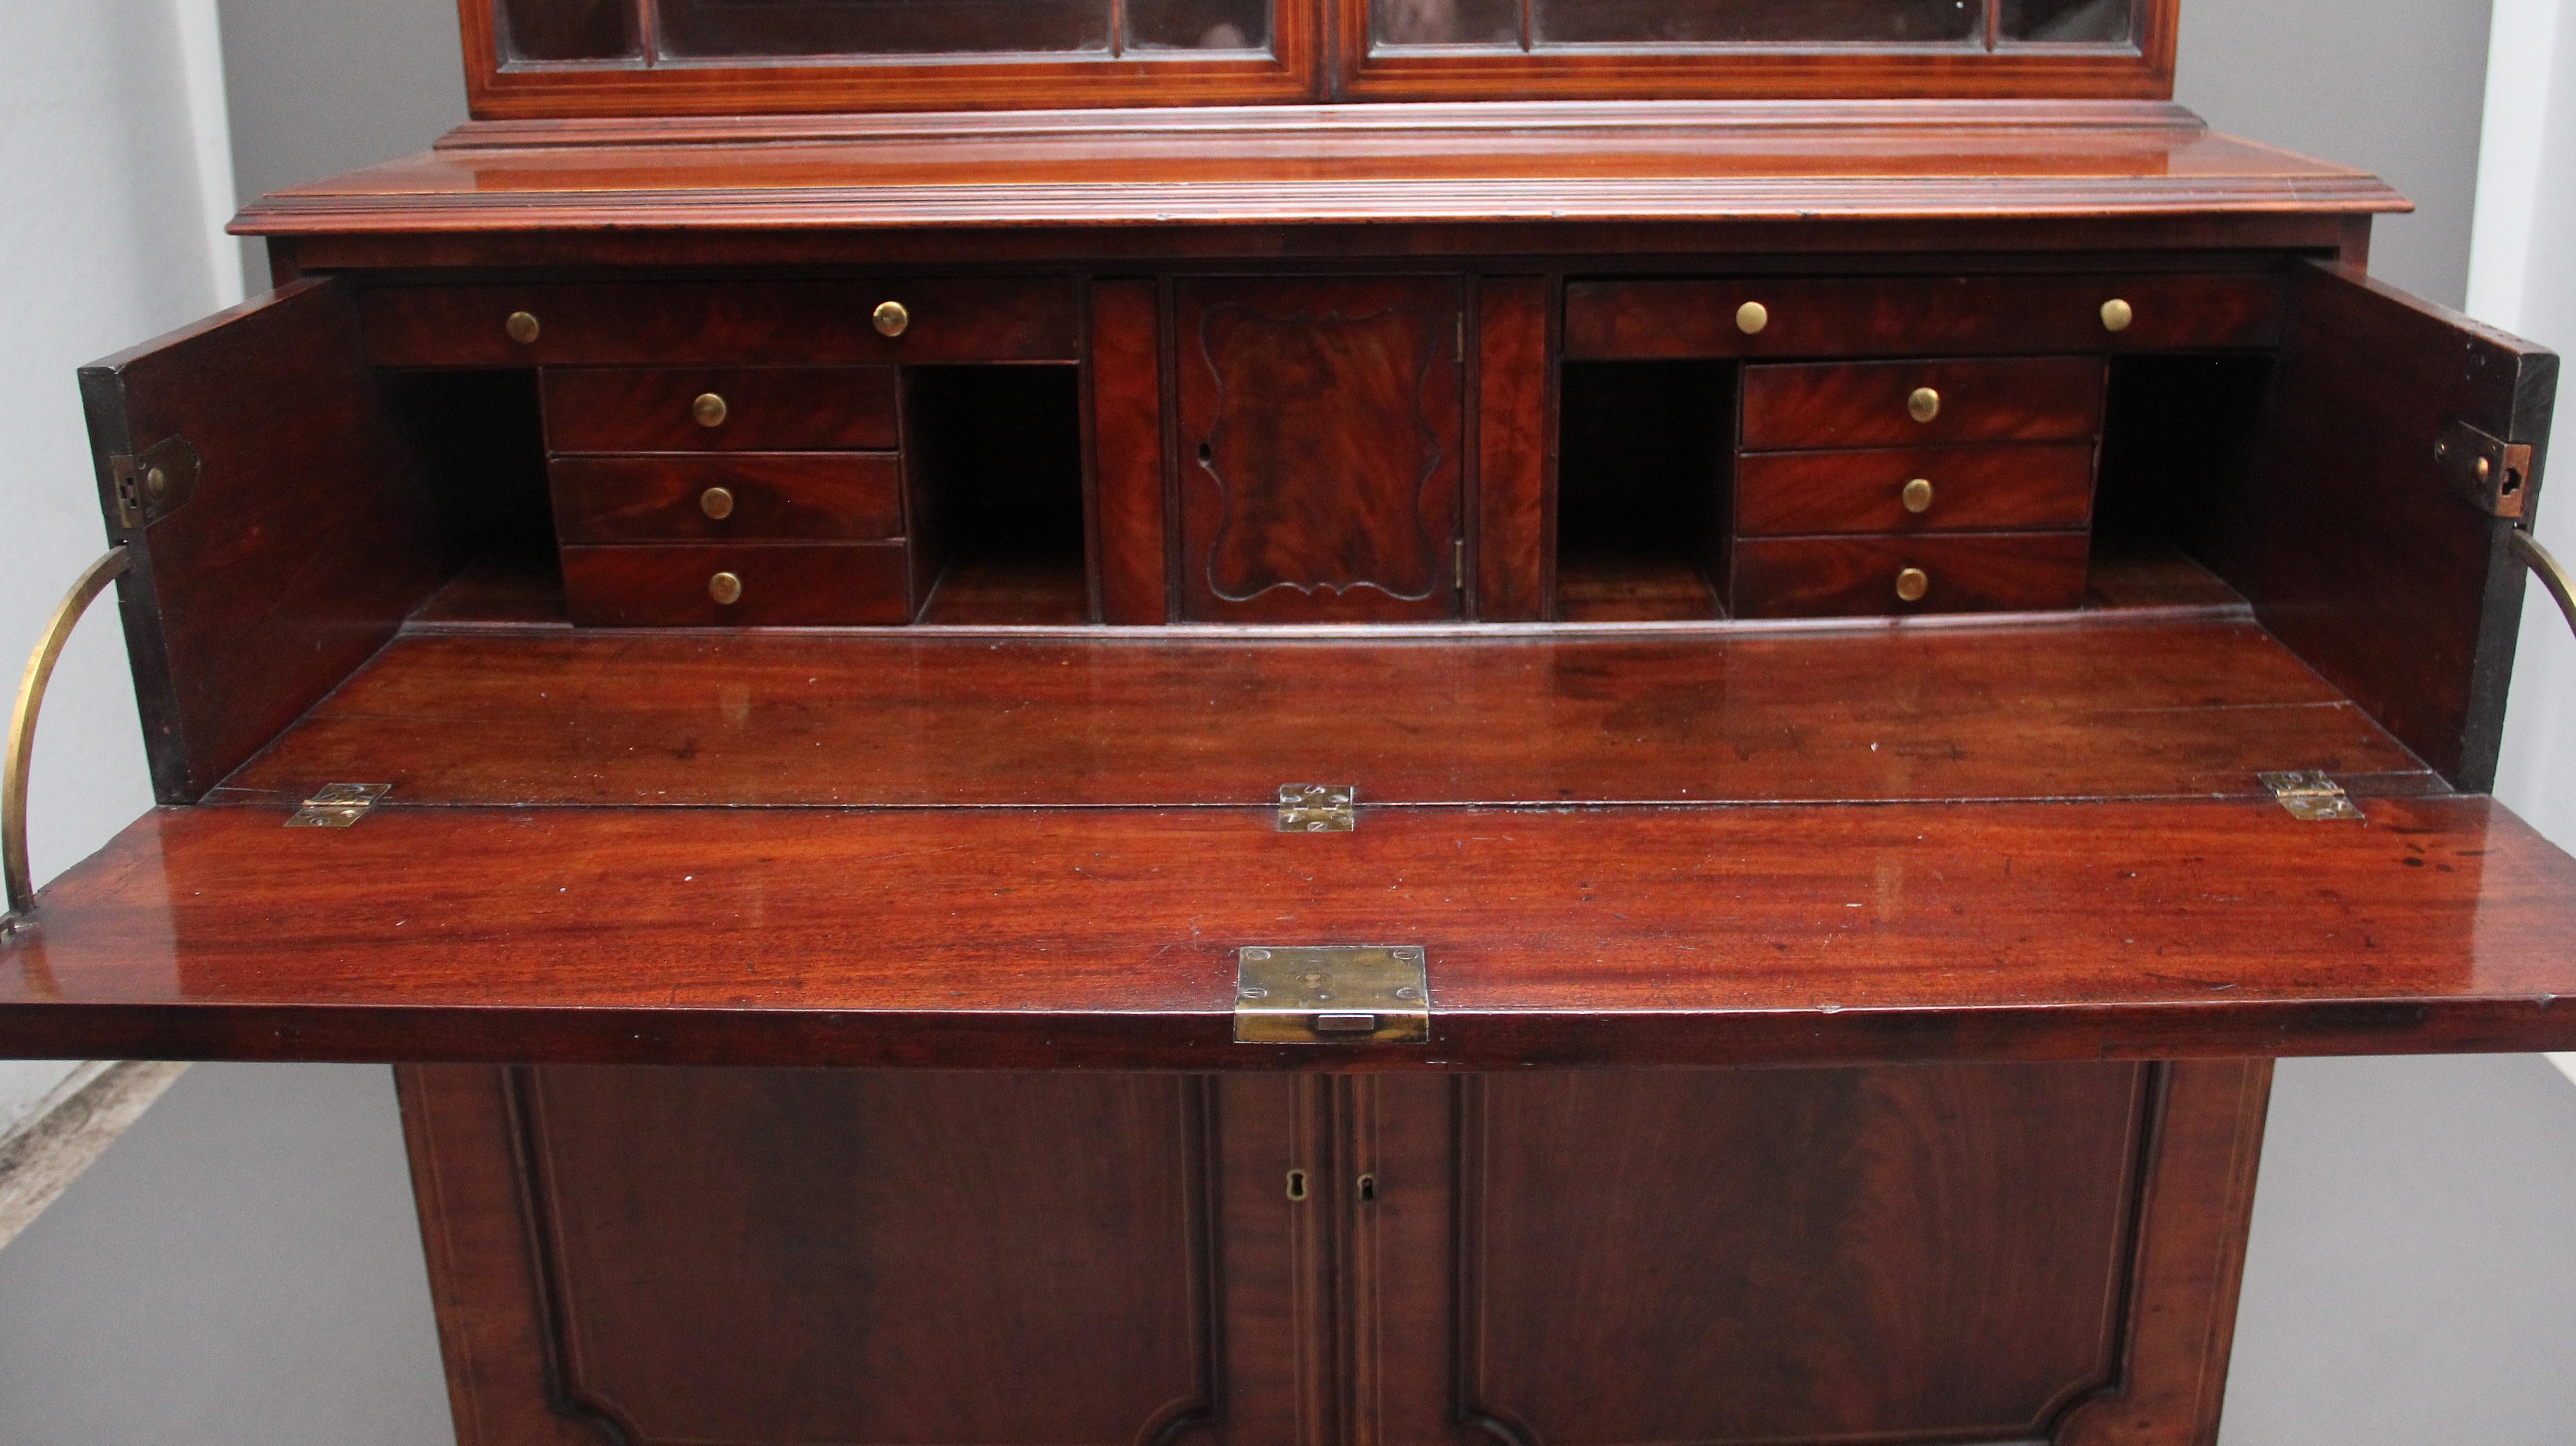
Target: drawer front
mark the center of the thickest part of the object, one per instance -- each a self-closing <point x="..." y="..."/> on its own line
<point x="2044" y="486"/>
<point x="781" y="585"/>
<point x="1872" y="404"/>
<point x="1921" y="316"/>
<point x="775" y="496"/>
<point x="1813" y="577"/>
<point x="763" y="409"/>
<point x="721" y="322"/>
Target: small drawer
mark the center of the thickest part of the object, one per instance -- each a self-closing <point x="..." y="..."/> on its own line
<point x="1756" y="316"/>
<point x="1895" y="404"/>
<point x="2040" y="486"/>
<point x="1817" y="577"/>
<point x="752" y="497"/>
<point x="723" y="323"/>
<point x="776" y="584"/>
<point x="719" y="409"/>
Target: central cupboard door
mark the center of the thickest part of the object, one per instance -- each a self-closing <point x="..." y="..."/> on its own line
<point x="1320" y="471"/>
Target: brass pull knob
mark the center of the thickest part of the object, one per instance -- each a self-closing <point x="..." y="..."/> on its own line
<point x="725" y="588"/>
<point x="709" y="409"/>
<point x="1917" y="495"/>
<point x="891" y="318"/>
<point x="1751" y="317"/>
<point x="1912" y="584"/>
<point x="716" y="502"/>
<point x="1924" y="405"/>
<point x="522" y="327"/>
<point x="2116" y="315"/>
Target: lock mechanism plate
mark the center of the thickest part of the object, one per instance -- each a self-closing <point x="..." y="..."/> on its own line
<point x="152" y="483"/>
<point x="1331" y="994"/>
<point x="2486" y="471"/>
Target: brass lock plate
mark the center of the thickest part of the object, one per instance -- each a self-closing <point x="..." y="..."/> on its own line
<point x="1331" y="994"/>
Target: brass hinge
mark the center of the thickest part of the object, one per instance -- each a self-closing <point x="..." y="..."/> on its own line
<point x="2490" y="473"/>
<point x="152" y="483"/>
<point x="2311" y="796"/>
<point x="338" y="805"/>
<point x="1317" y="808"/>
<point x="1331" y="994"/>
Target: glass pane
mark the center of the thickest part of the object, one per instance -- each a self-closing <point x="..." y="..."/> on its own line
<point x="1198" y="24"/>
<point x="1447" y="22"/>
<point x="1720" y="22"/>
<point x="566" y="29"/>
<point x="2098" y="22"/>
<point x="881" y="27"/>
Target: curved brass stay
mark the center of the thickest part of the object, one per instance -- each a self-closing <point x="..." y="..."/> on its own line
<point x="22" y="723"/>
<point x="2545" y="567"/>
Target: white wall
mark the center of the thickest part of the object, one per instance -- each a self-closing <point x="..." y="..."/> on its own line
<point x="118" y="163"/>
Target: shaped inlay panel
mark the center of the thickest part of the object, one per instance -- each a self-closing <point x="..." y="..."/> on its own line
<point x="1320" y="445"/>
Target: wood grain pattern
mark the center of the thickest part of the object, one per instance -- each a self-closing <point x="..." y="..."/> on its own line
<point x="744" y="321"/>
<point x="1642" y="319"/>
<point x="2190" y="708"/>
<point x="1515" y="456"/>
<point x="1863" y="404"/>
<point x="2347" y="540"/>
<point x="775" y="496"/>
<point x="1127" y="446"/>
<point x="767" y="409"/>
<point x="783" y="584"/>
<point x="1321" y="427"/>
<point x="315" y="526"/>
<point x="1814" y="577"/>
<point x="2037" y="931"/>
<point x="1974" y="489"/>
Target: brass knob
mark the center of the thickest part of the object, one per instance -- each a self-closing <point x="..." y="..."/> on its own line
<point x="522" y="327"/>
<point x="1924" y="405"/>
<point x="725" y="588"/>
<point x="716" y="502"/>
<point x="709" y="409"/>
<point x="891" y="318"/>
<point x="1918" y="495"/>
<point x="2116" y="315"/>
<point x="1751" y="317"/>
<point x="1912" y="584"/>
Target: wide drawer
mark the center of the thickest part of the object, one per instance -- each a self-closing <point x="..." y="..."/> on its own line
<point x="1890" y="404"/>
<point x="694" y="409"/>
<point x="769" y="496"/>
<point x="1920" y="315"/>
<point x="774" y="584"/>
<point x="2037" y="486"/>
<point x="953" y="319"/>
<point x="1812" y="577"/>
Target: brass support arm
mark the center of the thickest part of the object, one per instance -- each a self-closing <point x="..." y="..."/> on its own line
<point x="2546" y="568"/>
<point x="22" y="723"/>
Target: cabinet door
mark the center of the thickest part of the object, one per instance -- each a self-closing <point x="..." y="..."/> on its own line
<point x="783" y="1256"/>
<point x="1320" y="425"/>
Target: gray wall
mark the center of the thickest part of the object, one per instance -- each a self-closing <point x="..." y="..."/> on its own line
<point x="244" y="1266"/>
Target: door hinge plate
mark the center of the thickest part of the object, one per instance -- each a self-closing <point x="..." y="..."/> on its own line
<point x="338" y="805"/>
<point x="151" y="484"/>
<point x="2488" y="472"/>
<point x="1331" y="994"/>
<point x="1317" y="807"/>
<point x="2310" y="795"/>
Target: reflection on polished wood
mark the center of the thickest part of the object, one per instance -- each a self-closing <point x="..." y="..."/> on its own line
<point x="1733" y="936"/>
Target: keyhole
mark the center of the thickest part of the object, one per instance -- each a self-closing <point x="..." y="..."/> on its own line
<point x="1207" y="454"/>
<point x="1296" y="1184"/>
<point x="1368" y="1189"/>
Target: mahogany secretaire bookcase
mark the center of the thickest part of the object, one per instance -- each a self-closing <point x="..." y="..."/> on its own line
<point x="1319" y="722"/>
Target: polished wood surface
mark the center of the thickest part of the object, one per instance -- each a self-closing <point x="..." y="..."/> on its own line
<point x="776" y="584"/>
<point x="1813" y="577"/>
<point x="1972" y="489"/>
<point x="1732" y="936"/>
<point x="1127" y="414"/>
<point x="1866" y="404"/>
<point x="2345" y="535"/>
<point x="771" y="496"/>
<point x="1321" y="425"/>
<point x="1920" y="315"/>
<point x="313" y="529"/>
<point x="2086" y="708"/>
<point x="766" y="409"/>
<point x="1515" y="447"/>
